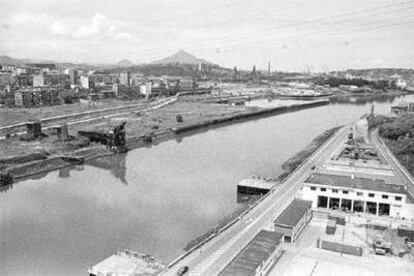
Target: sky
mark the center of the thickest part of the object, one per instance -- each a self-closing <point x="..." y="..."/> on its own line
<point x="294" y="35"/>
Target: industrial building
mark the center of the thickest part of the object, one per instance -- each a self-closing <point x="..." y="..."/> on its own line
<point x="86" y="82"/>
<point x="404" y="107"/>
<point x="257" y="257"/>
<point x="125" y="78"/>
<point x="293" y="219"/>
<point x="358" y="195"/>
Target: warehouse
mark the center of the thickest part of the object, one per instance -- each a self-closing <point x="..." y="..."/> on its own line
<point x="357" y="194"/>
<point x="258" y="257"/>
<point x="294" y="219"/>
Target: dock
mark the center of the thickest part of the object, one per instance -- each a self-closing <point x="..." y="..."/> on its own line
<point x="256" y="185"/>
<point x="127" y="263"/>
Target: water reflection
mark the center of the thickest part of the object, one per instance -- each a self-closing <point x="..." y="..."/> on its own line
<point x="362" y="100"/>
<point x="116" y="164"/>
<point x="5" y="188"/>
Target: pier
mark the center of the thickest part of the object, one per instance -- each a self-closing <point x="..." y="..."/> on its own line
<point x="255" y="185"/>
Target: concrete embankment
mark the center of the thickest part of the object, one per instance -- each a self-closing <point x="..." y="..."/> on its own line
<point x="257" y="113"/>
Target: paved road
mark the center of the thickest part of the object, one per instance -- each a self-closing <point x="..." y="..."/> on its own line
<point x="212" y="257"/>
<point x="399" y="169"/>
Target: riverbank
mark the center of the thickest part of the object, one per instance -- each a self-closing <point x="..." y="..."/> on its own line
<point x="143" y="129"/>
<point x="288" y="168"/>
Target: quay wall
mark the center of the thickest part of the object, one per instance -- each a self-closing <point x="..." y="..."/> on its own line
<point x="241" y="116"/>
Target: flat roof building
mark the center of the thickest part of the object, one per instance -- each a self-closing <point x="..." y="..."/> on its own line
<point x="293" y="219"/>
<point x="257" y="257"/>
<point x="358" y="195"/>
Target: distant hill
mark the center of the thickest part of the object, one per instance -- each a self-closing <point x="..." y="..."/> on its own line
<point x="182" y="57"/>
<point x="11" y="61"/>
<point x="125" y="63"/>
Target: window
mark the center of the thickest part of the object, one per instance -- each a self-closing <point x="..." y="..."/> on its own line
<point x="323" y="189"/>
<point x="371" y="195"/>
<point x="313" y="188"/>
<point x="345" y="192"/>
<point x="334" y="191"/>
<point x="398" y="198"/>
<point x="360" y="194"/>
<point x="384" y="196"/>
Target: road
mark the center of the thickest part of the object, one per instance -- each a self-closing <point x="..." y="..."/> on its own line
<point x="213" y="256"/>
<point x="401" y="173"/>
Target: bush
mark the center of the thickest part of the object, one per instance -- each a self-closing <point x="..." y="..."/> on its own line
<point x="68" y="99"/>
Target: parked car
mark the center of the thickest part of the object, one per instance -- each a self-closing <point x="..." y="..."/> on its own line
<point x="182" y="270"/>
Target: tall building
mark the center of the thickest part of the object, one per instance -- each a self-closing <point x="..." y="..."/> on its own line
<point x="125" y="78"/>
<point x="73" y="76"/>
<point x="86" y="82"/>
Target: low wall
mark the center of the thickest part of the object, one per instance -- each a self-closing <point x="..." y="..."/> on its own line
<point x="338" y="247"/>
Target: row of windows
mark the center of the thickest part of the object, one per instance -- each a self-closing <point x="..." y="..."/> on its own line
<point x="397" y="198"/>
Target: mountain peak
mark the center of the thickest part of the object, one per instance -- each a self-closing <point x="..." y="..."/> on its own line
<point x="125" y="63"/>
<point x="182" y="57"/>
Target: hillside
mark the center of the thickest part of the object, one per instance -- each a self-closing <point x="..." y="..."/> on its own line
<point x="125" y="63"/>
<point x="182" y="57"/>
<point x="10" y="61"/>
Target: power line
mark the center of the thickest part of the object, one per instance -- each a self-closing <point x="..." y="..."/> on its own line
<point x="223" y="42"/>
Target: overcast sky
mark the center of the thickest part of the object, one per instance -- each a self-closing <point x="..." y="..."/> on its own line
<point x="321" y="35"/>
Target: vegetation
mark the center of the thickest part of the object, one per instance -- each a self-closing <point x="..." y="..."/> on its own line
<point x="374" y="122"/>
<point x="398" y="128"/>
<point x="335" y="82"/>
<point x="398" y="134"/>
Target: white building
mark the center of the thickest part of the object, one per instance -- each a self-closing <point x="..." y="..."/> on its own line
<point x="38" y="80"/>
<point x="357" y="195"/>
<point x="85" y="82"/>
<point x="400" y="83"/>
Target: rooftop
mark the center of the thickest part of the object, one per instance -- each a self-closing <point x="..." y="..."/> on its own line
<point x="294" y="212"/>
<point x="258" y="182"/>
<point x="356" y="183"/>
<point x="258" y="249"/>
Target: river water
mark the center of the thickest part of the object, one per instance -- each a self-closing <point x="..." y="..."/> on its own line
<point x="153" y="200"/>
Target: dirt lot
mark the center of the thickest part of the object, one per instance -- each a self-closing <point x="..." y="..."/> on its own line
<point x="303" y="258"/>
<point x="9" y="116"/>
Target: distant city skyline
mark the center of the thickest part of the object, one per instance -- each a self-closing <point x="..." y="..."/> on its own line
<point x="294" y="35"/>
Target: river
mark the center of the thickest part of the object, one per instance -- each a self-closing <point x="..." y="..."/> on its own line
<point x="153" y="200"/>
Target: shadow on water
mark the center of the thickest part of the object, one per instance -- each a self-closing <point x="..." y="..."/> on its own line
<point x="6" y="188"/>
<point x="116" y="164"/>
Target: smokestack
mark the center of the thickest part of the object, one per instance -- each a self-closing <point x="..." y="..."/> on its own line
<point x="268" y="68"/>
